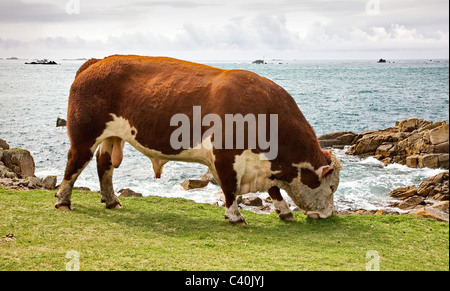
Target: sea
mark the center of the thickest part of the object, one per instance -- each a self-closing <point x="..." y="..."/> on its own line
<point x="333" y="95"/>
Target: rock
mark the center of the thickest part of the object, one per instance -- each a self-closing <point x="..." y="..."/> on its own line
<point x="384" y="149"/>
<point x="265" y="208"/>
<point x="441" y="148"/>
<point x="436" y="188"/>
<point x="381" y="212"/>
<point x="438" y="212"/>
<point x="414" y="142"/>
<point x="411" y="203"/>
<point x="41" y="62"/>
<point x="50" y="182"/>
<point x="193" y="184"/>
<point x="428" y="161"/>
<point x="34" y="182"/>
<point x="439" y="135"/>
<point x="442" y="206"/>
<point x="1" y="155"/>
<point x="20" y="161"/>
<point x="366" y="145"/>
<point x="10" y="175"/>
<point x="444" y="161"/>
<point x="408" y="125"/>
<point x="61" y="122"/>
<point x="208" y="176"/>
<point x="252" y="201"/>
<point x="404" y="192"/>
<point x="129" y="193"/>
<point x="337" y="139"/>
<point x="412" y="161"/>
<point x="4" y="145"/>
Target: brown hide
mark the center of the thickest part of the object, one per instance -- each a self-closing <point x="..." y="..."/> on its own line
<point x="148" y="91"/>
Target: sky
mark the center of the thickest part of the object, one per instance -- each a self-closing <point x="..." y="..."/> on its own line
<point x="226" y="29"/>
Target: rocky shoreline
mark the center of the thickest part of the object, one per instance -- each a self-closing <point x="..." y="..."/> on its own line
<point x="416" y="143"/>
<point x="17" y="170"/>
<point x="413" y="142"/>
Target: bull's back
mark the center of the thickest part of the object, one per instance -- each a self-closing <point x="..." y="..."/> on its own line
<point x="148" y="91"/>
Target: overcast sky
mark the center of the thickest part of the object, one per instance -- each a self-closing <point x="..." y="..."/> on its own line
<point x="226" y="29"/>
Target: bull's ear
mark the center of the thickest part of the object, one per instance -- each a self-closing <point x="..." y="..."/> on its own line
<point x="327" y="171"/>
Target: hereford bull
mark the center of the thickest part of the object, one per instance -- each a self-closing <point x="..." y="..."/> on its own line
<point x="133" y="99"/>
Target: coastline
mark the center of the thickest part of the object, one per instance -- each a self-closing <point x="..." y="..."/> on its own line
<point x="417" y="203"/>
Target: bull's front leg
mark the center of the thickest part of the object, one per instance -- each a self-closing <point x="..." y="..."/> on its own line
<point x="232" y="210"/>
<point x="281" y="207"/>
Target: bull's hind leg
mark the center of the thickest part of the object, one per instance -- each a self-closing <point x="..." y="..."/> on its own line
<point x="78" y="158"/>
<point x="109" y="156"/>
<point x="281" y="207"/>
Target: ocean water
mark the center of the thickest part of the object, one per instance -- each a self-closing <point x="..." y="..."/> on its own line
<point x="333" y="95"/>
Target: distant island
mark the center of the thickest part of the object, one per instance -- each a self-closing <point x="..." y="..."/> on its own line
<point x="259" y="62"/>
<point x="42" y="62"/>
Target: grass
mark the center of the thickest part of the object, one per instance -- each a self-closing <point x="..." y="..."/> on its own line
<point x="155" y="233"/>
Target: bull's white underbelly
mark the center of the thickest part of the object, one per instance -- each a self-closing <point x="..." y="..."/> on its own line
<point x="252" y="170"/>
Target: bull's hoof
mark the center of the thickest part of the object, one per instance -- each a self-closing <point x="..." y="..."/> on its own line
<point x="65" y="207"/>
<point x="240" y="221"/>
<point x="287" y="216"/>
<point x="116" y="205"/>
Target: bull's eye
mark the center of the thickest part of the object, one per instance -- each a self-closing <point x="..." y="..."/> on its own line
<point x="332" y="189"/>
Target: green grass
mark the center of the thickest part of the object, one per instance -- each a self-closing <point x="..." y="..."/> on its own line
<point x="156" y="233"/>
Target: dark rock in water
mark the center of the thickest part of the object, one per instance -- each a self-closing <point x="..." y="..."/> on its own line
<point x="337" y="139"/>
<point x="42" y="62"/>
<point x="208" y="176"/>
<point x="381" y="61"/>
<point x="259" y="62"/>
<point x="194" y="184"/>
<point x="61" y="122"/>
<point x="129" y="193"/>
<point x="4" y="145"/>
<point x="404" y="192"/>
<point x="252" y="201"/>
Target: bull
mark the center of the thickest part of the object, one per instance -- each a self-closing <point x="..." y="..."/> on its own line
<point x="133" y="99"/>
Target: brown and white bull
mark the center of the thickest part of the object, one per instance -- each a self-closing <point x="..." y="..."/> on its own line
<point x="133" y="99"/>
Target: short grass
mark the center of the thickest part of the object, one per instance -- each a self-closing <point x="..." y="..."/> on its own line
<point x="155" y="233"/>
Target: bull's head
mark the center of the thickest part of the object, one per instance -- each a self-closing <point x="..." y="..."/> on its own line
<point x="312" y="190"/>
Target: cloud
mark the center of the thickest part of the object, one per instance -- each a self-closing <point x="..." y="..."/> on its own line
<point x="285" y="28"/>
<point x="17" y="11"/>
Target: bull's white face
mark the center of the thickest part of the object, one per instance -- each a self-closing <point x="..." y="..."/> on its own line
<point x="315" y="198"/>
